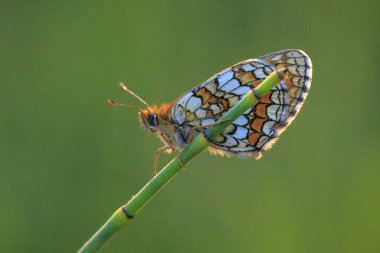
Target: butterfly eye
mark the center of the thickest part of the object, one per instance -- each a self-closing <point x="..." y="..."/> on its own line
<point x="152" y="120"/>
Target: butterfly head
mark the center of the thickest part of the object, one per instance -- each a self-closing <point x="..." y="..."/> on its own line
<point x="149" y="119"/>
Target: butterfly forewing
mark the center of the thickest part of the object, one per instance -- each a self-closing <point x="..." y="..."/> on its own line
<point x="258" y="128"/>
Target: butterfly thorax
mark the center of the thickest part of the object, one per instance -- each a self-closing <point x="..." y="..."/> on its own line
<point x="159" y="121"/>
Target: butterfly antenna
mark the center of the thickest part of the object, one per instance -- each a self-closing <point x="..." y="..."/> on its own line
<point x="124" y="88"/>
<point x="110" y="102"/>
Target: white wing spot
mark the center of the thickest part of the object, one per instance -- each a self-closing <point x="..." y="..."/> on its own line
<point x="259" y="73"/>
<point x="268" y="126"/>
<point x="247" y="67"/>
<point x="194" y="103"/>
<point x="241" y="90"/>
<point x="231" y="85"/>
<point x="273" y="111"/>
<point x="240" y="133"/>
<point x="225" y="77"/>
<point x="241" y="121"/>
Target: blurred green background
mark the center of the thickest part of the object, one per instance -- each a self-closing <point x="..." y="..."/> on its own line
<point x="67" y="161"/>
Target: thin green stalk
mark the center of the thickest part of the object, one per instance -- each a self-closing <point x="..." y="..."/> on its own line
<point x="128" y="211"/>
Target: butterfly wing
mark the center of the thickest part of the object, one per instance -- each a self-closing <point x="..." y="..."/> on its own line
<point x="259" y="127"/>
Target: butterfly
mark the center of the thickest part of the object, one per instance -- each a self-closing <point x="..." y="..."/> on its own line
<point x="251" y="134"/>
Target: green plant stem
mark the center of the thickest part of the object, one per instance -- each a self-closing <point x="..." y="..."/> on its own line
<point x="127" y="212"/>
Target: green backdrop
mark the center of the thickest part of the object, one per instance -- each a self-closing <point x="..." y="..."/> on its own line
<point x="67" y="161"/>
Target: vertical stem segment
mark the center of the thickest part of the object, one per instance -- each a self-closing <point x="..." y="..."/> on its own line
<point x="128" y="211"/>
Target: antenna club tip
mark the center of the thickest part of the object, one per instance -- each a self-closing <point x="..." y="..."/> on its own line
<point x="122" y="86"/>
<point x="110" y="102"/>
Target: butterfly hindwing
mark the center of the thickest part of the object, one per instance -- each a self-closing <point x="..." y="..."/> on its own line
<point x="259" y="127"/>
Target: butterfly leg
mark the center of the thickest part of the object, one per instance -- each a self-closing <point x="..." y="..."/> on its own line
<point x="156" y="156"/>
<point x="190" y="137"/>
<point x="168" y="148"/>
